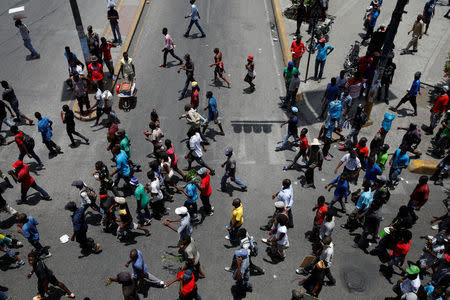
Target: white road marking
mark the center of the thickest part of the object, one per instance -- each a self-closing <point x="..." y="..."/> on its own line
<point x="208" y="6"/>
<point x="16" y="9"/>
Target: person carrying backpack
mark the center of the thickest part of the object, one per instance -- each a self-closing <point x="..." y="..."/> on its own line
<point x="88" y="196"/>
<point x="25" y="143"/>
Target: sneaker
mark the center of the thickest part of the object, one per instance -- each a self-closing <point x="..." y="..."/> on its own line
<point x="327" y="158"/>
<point x="17" y="264"/>
<point x="46" y="255"/>
<point x="228" y="269"/>
<point x="227" y="237"/>
<point x="162" y="283"/>
<point x="264" y="241"/>
<point x="435" y="227"/>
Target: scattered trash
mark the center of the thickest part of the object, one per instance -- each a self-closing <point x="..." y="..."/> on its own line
<point x="64" y="239"/>
<point x="275" y="276"/>
<point x="275" y="39"/>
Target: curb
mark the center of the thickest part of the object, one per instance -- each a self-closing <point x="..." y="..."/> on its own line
<point x="422" y="166"/>
<point x="285" y="49"/>
<point x="125" y="47"/>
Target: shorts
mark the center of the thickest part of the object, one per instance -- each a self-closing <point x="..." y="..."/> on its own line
<point x="426" y="20"/>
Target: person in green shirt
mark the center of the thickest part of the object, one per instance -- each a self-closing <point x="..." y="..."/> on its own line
<point x="142" y="200"/>
<point x="125" y="145"/>
<point x="382" y="156"/>
<point x="288" y="72"/>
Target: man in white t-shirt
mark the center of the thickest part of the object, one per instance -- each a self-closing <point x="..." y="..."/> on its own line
<point x="196" y="149"/>
<point x="286" y="195"/>
<point x="279" y="239"/>
<point x="410" y="283"/>
<point x="352" y="166"/>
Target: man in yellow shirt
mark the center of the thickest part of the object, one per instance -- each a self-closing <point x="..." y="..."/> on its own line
<point x="237" y="218"/>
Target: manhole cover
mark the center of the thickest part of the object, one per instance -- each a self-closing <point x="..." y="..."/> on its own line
<point x="354" y="279"/>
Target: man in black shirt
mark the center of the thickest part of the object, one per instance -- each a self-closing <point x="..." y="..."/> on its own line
<point x="300" y="14"/>
<point x="113" y="17"/>
<point x="68" y="119"/>
<point x="3" y="116"/>
<point x="189" y="68"/>
<point x="9" y="96"/>
<point x="128" y="286"/>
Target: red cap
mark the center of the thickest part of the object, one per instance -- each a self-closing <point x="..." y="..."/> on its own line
<point x="322" y="40"/>
<point x="250" y="57"/>
<point x="17" y="164"/>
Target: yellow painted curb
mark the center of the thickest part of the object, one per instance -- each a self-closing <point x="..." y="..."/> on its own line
<point x="422" y="166"/>
<point x="285" y="49"/>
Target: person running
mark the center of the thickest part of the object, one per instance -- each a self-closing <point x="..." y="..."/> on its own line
<point x="25" y="144"/>
<point x="25" y="33"/>
<point x="170" y="150"/>
<point x="184" y="230"/>
<point x="113" y="17"/>
<point x="213" y="113"/>
<point x="21" y="173"/>
<point x="102" y="104"/>
<point x="398" y="162"/>
<point x="323" y="50"/>
<point x="230" y="171"/>
<point x="45" y="128"/>
<point x="126" y="220"/>
<point x="250" y="67"/>
<point x="196" y="149"/>
<point x="195" y="16"/>
<point x="27" y="227"/>
<point x="341" y="191"/>
<point x="140" y="270"/>
<point x="105" y="50"/>
<point x="189" y="68"/>
<point x="168" y="48"/>
<point x="127" y="67"/>
<point x="237" y="219"/>
<point x="411" y="94"/>
<point x="188" y="287"/>
<point x="352" y="166"/>
<point x="9" y="96"/>
<point x="218" y="67"/>
<point x="95" y="70"/>
<point x="68" y="118"/>
<point x="80" y="227"/>
<point x="297" y="49"/>
<point x="292" y="128"/>
<point x="45" y="277"/>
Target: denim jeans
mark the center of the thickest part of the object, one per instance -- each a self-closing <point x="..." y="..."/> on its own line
<point x="27" y="44"/>
<point x="24" y="191"/>
<point x="143" y="214"/>
<point x="189" y="79"/>
<point x="394" y="173"/>
<point x="171" y="53"/>
<point x="223" y="182"/>
<point x="316" y="68"/>
<point x="33" y="154"/>
<point x="51" y="146"/>
<point x="116" y="32"/>
<point x="198" y="26"/>
<point x="286" y="138"/>
<point x="353" y="134"/>
<point x="126" y="178"/>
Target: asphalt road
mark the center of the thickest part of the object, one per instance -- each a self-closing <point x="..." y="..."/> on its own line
<point x="251" y="123"/>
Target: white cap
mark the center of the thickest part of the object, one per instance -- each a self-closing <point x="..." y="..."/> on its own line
<point x="181" y="210"/>
<point x="120" y="200"/>
<point x="107" y="95"/>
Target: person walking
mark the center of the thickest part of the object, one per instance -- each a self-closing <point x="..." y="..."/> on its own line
<point x="386" y="81"/>
<point x="196" y="149"/>
<point x="129" y="291"/>
<point x="250" y="67"/>
<point x="292" y="128"/>
<point x="357" y="122"/>
<point x="4" y="116"/>
<point x="126" y="220"/>
<point x="190" y="191"/>
<point x="80" y="90"/>
<point x="168" y="48"/>
<point x="191" y="257"/>
<point x="288" y="73"/>
<point x="25" y="143"/>
<point x="352" y="166"/>
<point x="140" y="270"/>
<point x="25" y="33"/>
<point x="68" y="118"/>
<point x="80" y="228"/>
<point x="315" y="160"/>
<point x="293" y="90"/>
<point x="230" y="171"/>
<point x="373" y="17"/>
<point x="101" y="174"/>
<point x="105" y="50"/>
<point x="438" y="110"/>
<point x="188" y="288"/>
<point x="205" y="191"/>
<point x="21" y="173"/>
<point x="195" y="16"/>
<point x="411" y="94"/>
<point x="127" y="67"/>
<point x="323" y="50"/>
<point x="213" y="113"/>
<point x="297" y="48"/>
<point x="27" y="227"/>
<point x="398" y="162"/>
<point x="122" y="167"/>
<point x="125" y="145"/>
<point x="300" y="16"/>
<point x="113" y="17"/>
<point x="428" y="12"/>
<point x="218" y="67"/>
<point x="286" y="195"/>
<point x="45" y="277"/>
<point x="341" y="191"/>
<point x="278" y="240"/>
<point x="237" y="219"/>
<point x="185" y="229"/>
<point x="417" y="33"/>
<point x="95" y="70"/>
<point x="331" y="94"/>
<point x="302" y="148"/>
<point x="189" y="68"/>
<point x="45" y="128"/>
<point x="9" y="96"/>
<point x="88" y="196"/>
<point x="142" y="201"/>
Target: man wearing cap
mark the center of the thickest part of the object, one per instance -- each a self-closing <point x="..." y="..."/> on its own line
<point x="321" y="57"/>
<point x="438" y="109"/>
<point x="230" y="171"/>
<point x="411" y="94"/>
<point x="410" y="283"/>
<point x="188" y="287"/>
<point x="315" y="160"/>
<point x="80" y="227"/>
<point x="205" y="191"/>
<point x="286" y="195"/>
<point x="88" y="196"/>
<point x="21" y="173"/>
<point x="292" y="128"/>
<point x="185" y="229"/>
<point x="288" y="73"/>
<point x="95" y="70"/>
<point x="122" y="167"/>
<point x="142" y="200"/>
<point x="140" y="270"/>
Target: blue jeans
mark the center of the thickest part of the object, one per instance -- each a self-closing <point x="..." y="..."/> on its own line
<point x="24" y="191"/>
<point x="223" y="182"/>
<point x="33" y="154"/>
<point x="126" y="178"/>
<point x="27" y="44"/>
<point x="198" y="26"/>
<point x="143" y="214"/>
<point x="116" y="32"/>
<point x="394" y="173"/>
<point x="316" y="68"/>
<point x="286" y="138"/>
<point x="189" y="79"/>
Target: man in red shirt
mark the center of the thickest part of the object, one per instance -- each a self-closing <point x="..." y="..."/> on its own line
<point x="419" y="196"/>
<point x="362" y="151"/>
<point x="321" y="210"/>
<point x="21" y="173"/>
<point x="95" y="70"/>
<point x="303" y="147"/>
<point x="23" y="149"/>
<point x="297" y="49"/>
<point x="105" y="49"/>
<point x="438" y="109"/>
<point x="206" y="191"/>
<point x="401" y="249"/>
<point x="188" y="287"/>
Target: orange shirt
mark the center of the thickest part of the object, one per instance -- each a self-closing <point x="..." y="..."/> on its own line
<point x="320" y="214"/>
<point x="96" y="71"/>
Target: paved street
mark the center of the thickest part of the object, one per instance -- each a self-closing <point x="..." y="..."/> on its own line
<point x="251" y="122"/>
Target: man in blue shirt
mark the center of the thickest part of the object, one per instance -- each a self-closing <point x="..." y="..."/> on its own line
<point x="195" y="16"/>
<point x="398" y="162"/>
<point x="185" y="229"/>
<point x="122" y="167"/>
<point x="412" y="93"/>
<point x="364" y="200"/>
<point x="191" y="198"/>
<point x="331" y="93"/>
<point x="341" y="191"/>
<point x="292" y="128"/>
<point x="428" y="13"/>
<point x="372" y="170"/>
<point x="45" y="128"/>
<point x="140" y="272"/>
<point x="27" y="227"/>
<point x="373" y="16"/>
<point x="321" y="57"/>
<point x="213" y="113"/>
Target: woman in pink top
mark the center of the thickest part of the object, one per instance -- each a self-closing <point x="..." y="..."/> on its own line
<point x="168" y="48"/>
<point x="170" y="150"/>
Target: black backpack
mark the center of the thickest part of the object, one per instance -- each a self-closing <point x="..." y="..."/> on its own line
<point x="253" y="246"/>
<point x="28" y="141"/>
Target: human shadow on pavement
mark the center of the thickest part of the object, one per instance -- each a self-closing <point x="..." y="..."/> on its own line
<point x="8" y="223"/>
<point x="32" y="199"/>
<point x="93" y="218"/>
<point x="238" y="293"/>
<point x="248" y="90"/>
